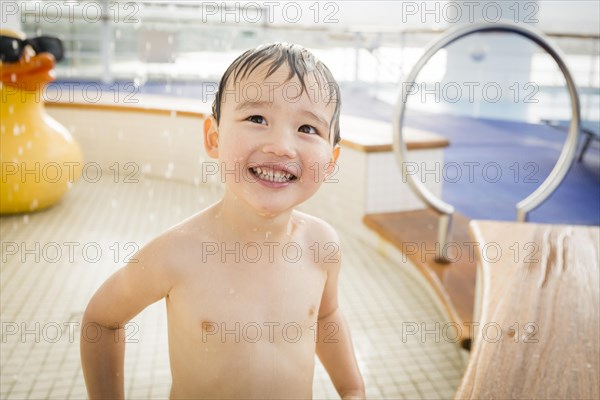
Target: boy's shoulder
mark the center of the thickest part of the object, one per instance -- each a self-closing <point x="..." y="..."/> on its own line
<point x="316" y="227"/>
<point x="179" y="237"/>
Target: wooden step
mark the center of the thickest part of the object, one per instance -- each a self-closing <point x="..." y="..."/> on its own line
<point x="540" y="303"/>
<point x="414" y="233"/>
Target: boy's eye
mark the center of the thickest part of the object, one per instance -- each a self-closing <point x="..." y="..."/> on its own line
<point x="257" y="119"/>
<point x="308" y="129"/>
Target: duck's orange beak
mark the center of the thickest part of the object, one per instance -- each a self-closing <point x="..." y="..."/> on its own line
<point x="31" y="72"/>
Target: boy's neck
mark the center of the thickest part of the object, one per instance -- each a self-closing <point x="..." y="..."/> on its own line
<point x="238" y="220"/>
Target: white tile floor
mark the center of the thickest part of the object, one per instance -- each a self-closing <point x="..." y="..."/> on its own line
<point x="54" y="260"/>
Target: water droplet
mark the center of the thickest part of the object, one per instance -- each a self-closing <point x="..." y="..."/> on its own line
<point x="254" y="229"/>
<point x="11" y="109"/>
<point x="113" y="203"/>
<point x="173" y="113"/>
<point x="117" y="34"/>
<point x="148" y="46"/>
<point x="16" y="187"/>
<point x="120" y="135"/>
<point x="13" y="77"/>
<point x="151" y="217"/>
<point x="20" y="151"/>
<point x="267" y="234"/>
<point x="28" y="144"/>
<point x="170" y="39"/>
<point x="25" y="219"/>
<point x="231" y="291"/>
<point x="33" y="205"/>
<point x="16" y="130"/>
<point x="169" y="171"/>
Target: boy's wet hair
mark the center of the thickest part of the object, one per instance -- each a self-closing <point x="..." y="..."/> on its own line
<point x="300" y="61"/>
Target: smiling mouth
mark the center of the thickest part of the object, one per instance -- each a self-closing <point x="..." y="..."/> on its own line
<point x="271" y="175"/>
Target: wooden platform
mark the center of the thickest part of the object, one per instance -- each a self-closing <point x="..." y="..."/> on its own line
<point x="415" y="234"/>
<point x="373" y="136"/>
<point x="540" y="313"/>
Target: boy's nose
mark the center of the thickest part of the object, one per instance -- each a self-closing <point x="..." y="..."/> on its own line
<point x="280" y="144"/>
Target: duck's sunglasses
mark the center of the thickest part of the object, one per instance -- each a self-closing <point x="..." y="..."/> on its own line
<point x="11" y="49"/>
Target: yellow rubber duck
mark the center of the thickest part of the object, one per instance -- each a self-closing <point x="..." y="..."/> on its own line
<point x="38" y="156"/>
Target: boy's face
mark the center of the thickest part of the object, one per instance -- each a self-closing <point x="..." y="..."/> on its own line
<point x="274" y="147"/>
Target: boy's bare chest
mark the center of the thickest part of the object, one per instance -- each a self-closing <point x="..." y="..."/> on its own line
<point x="245" y="296"/>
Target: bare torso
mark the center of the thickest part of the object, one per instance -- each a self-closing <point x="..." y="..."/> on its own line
<point x="244" y="327"/>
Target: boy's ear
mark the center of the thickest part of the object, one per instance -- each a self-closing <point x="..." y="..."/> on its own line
<point x="334" y="156"/>
<point x="211" y="137"/>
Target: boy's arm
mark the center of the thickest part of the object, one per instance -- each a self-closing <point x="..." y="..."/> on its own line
<point x="334" y="344"/>
<point x="128" y="291"/>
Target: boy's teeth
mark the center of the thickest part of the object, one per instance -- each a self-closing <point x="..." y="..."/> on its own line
<point x="270" y="175"/>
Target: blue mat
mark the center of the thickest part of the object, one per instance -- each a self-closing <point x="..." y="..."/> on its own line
<point x="508" y="161"/>
<point x="523" y="153"/>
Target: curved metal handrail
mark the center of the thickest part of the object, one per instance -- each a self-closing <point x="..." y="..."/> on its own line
<point x="560" y="168"/>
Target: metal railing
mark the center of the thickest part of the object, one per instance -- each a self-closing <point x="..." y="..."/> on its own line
<point x="560" y="168"/>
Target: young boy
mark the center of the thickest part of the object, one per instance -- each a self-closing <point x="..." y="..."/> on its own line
<point x="250" y="283"/>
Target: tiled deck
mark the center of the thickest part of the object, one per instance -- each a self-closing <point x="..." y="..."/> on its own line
<point x="45" y="288"/>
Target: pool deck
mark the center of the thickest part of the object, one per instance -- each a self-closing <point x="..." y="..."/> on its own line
<point x="40" y="292"/>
